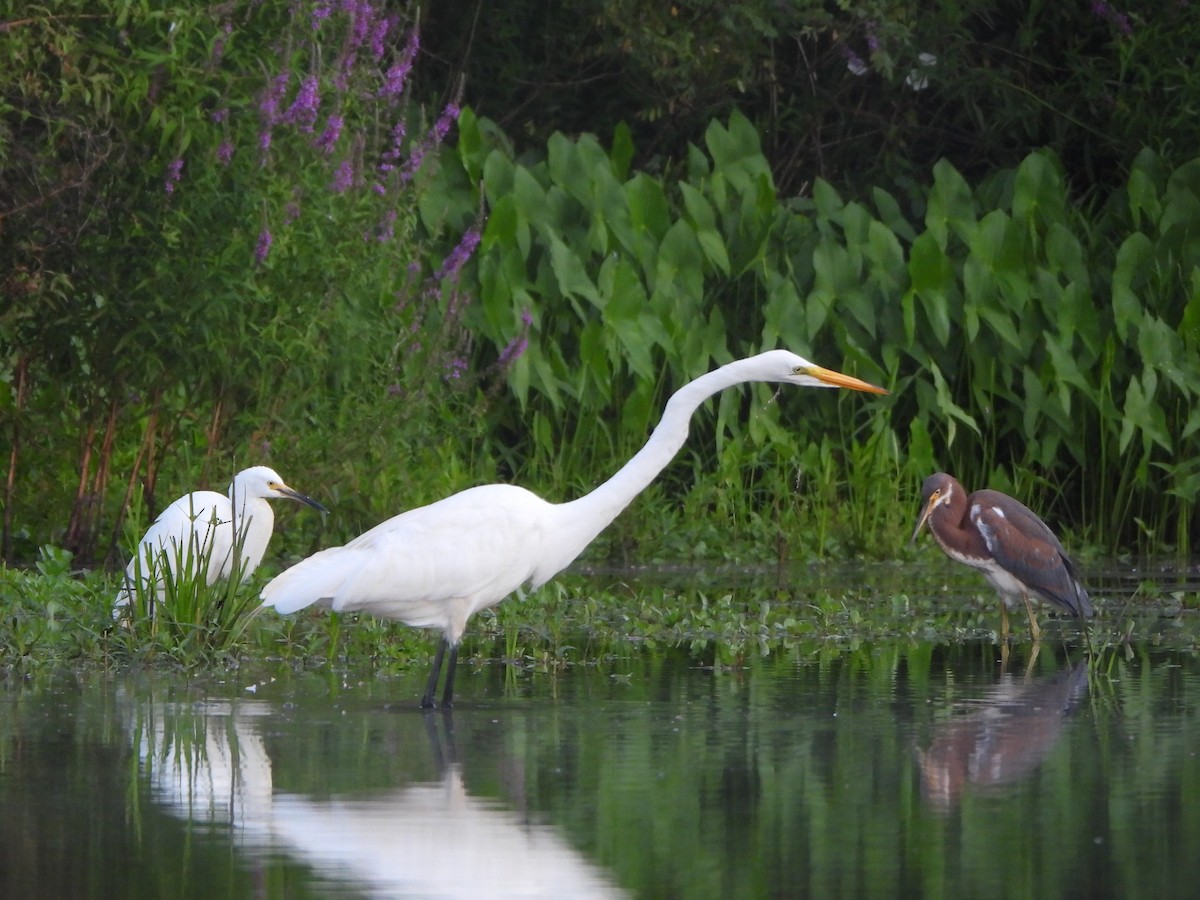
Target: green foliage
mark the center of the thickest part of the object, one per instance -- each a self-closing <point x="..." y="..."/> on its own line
<point x="1036" y="343"/>
<point x="628" y="286"/>
<point x="169" y="609"/>
<point x="859" y="94"/>
<point x="212" y="252"/>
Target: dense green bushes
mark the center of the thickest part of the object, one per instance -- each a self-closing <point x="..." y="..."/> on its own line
<point x="1034" y="343"/>
<point x="183" y="296"/>
<point x="861" y="94"/>
<point x="212" y="257"/>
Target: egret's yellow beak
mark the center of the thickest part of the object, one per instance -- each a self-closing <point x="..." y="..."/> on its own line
<point x="837" y="379"/>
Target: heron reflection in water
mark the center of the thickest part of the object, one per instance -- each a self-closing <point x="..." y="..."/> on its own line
<point x="1000" y="739"/>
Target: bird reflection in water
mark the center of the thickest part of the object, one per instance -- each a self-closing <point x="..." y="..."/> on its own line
<point x="1000" y="739"/>
<point x="423" y="839"/>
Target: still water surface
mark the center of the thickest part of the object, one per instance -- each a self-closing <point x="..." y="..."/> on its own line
<point x="887" y="770"/>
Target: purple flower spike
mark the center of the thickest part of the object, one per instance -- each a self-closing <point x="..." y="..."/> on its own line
<point x="269" y="105"/>
<point x="329" y="137"/>
<point x="343" y="177"/>
<point x="518" y="345"/>
<point x="263" y="247"/>
<point x="225" y="152"/>
<point x="303" y="111"/>
<point x="174" y="173"/>
<point x="397" y="75"/>
<point x="458" y="257"/>
<point x="435" y="136"/>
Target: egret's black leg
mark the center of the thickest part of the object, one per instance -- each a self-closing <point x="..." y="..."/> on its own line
<point x="431" y="685"/>
<point x="448" y="692"/>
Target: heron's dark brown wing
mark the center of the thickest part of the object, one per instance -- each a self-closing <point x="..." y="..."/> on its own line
<point x="1025" y="546"/>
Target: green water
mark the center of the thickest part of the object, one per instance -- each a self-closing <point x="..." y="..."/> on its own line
<point x="885" y="771"/>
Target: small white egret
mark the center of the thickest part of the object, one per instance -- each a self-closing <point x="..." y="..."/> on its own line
<point x="433" y="567"/>
<point x="197" y="530"/>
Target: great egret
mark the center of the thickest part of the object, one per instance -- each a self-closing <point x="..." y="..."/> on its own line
<point x="197" y="531"/>
<point x="433" y="567"/>
<point x="1004" y="539"/>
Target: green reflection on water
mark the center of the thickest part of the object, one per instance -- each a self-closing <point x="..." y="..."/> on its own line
<point x="891" y="770"/>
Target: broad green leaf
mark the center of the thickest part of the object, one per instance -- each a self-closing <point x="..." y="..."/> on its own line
<point x="932" y="278"/>
<point x="1127" y="278"/>
<point x="705" y="223"/>
<point x="679" y="261"/>
<point x="1143" y="198"/>
<point x="950" y="208"/>
<point x="571" y="273"/>
<point x="892" y="216"/>
<point x="622" y="150"/>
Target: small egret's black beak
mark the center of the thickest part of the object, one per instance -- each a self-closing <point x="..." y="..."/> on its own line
<point x="303" y="498"/>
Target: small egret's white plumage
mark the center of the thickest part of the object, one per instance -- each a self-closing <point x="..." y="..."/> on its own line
<point x="197" y="530"/>
<point x="435" y="566"/>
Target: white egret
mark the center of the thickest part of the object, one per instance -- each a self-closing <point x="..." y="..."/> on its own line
<point x="197" y="532"/>
<point x="433" y="567"/>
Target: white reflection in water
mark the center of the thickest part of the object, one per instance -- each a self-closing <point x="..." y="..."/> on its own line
<point x="430" y="839"/>
<point x="1001" y="738"/>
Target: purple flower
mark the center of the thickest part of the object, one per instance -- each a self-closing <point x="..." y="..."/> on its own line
<point x="343" y="177"/>
<point x="264" y="140"/>
<point x="397" y="75"/>
<point x="174" y="173"/>
<point x="518" y="345"/>
<point x="379" y="31"/>
<point x="303" y="111"/>
<point x="319" y="14"/>
<point x="291" y="213"/>
<point x="225" y="152"/>
<point x="220" y="115"/>
<point x="458" y="257"/>
<point x="872" y="38"/>
<point x="854" y="62"/>
<point x="449" y="116"/>
<point x="1102" y="10"/>
<point x="387" y="227"/>
<point x="329" y="137"/>
<point x="269" y="105"/>
<point x="392" y="153"/>
<point x="435" y="136"/>
<point x="263" y="247"/>
<point x="515" y="350"/>
<point x="456" y="367"/>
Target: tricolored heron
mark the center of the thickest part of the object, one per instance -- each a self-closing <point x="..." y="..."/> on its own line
<point x="1005" y="540"/>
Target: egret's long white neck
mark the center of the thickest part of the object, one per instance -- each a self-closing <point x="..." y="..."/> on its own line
<point x="587" y="516"/>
